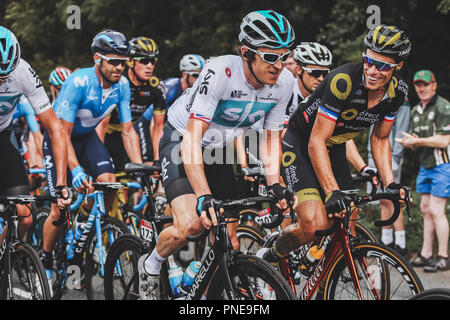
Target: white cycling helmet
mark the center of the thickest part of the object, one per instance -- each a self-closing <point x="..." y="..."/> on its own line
<point x="191" y="62"/>
<point x="313" y="53"/>
<point x="266" y="28"/>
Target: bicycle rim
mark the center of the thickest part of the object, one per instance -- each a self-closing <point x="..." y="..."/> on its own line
<point x="121" y="280"/>
<point x="28" y="278"/>
<point x="252" y="279"/>
<point x="250" y="239"/>
<point x="112" y="229"/>
<point x="382" y="274"/>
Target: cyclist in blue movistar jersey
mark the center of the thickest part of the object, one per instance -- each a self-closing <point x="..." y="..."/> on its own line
<point x="17" y="78"/>
<point x="231" y="93"/>
<point x="190" y="67"/>
<point x="87" y="97"/>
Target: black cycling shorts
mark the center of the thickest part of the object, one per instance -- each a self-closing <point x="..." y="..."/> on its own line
<point x="114" y="144"/>
<point x="13" y="175"/>
<point x="298" y="173"/>
<point x="219" y="174"/>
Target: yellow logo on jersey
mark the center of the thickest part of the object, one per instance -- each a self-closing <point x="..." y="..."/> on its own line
<point x="349" y="114"/>
<point x="288" y="158"/>
<point x="334" y="89"/>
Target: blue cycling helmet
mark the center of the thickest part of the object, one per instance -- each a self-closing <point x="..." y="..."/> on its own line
<point x="266" y="28"/>
<point x="9" y="52"/>
<point x="110" y="41"/>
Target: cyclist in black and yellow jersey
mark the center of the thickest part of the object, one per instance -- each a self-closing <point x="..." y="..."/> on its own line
<point x="347" y="102"/>
<point x="147" y="102"/>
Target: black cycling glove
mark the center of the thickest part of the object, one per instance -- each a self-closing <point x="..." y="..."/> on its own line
<point x="204" y="202"/>
<point x="335" y="201"/>
<point x="393" y="188"/>
<point x="278" y="191"/>
<point x="58" y="192"/>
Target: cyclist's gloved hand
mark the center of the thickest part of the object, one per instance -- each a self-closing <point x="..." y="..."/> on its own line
<point x="368" y="172"/>
<point x="204" y="203"/>
<point x="78" y="175"/>
<point x="393" y="188"/>
<point x="64" y="196"/>
<point x="335" y="202"/>
<point x="282" y="193"/>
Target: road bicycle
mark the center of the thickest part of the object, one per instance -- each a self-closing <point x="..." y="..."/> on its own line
<point x="86" y="268"/>
<point x="22" y="276"/>
<point x="230" y="274"/>
<point x="351" y="269"/>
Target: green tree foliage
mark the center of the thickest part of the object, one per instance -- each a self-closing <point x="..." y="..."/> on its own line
<point x="211" y="28"/>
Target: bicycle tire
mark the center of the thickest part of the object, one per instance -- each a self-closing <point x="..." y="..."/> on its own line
<point x="433" y="294"/>
<point x="110" y="227"/>
<point x="390" y="274"/>
<point x="123" y="286"/>
<point x="365" y="234"/>
<point x="243" y="268"/>
<point x="250" y="239"/>
<point x="133" y="221"/>
<point x="24" y="259"/>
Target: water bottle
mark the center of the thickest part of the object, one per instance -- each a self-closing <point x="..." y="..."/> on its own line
<point x="69" y="244"/>
<point x="309" y="261"/>
<point x="188" y="278"/>
<point x="175" y="273"/>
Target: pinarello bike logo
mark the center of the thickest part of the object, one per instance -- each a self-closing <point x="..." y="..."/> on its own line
<point x="228" y="72"/>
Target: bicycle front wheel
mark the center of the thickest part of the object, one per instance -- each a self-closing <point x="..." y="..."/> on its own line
<point x="433" y="294"/>
<point x="382" y="275"/>
<point x="250" y="239"/>
<point x="28" y="277"/>
<point x="112" y="229"/>
<point x="252" y="279"/>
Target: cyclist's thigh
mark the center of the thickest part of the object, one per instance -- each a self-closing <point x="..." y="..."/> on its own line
<point x="12" y="168"/>
<point x="114" y="145"/>
<point x="92" y="154"/>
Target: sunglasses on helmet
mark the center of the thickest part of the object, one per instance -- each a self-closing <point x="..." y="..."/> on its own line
<point x="146" y="60"/>
<point x="114" y="61"/>
<point x="271" y="57"/>
<point x="316" y="73"/>
<point x="380" y="65"/>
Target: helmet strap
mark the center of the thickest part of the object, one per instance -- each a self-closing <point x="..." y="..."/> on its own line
<point x="300" y="76"/>
<point x="253" y="73"/>
<point x="137" y="77"/>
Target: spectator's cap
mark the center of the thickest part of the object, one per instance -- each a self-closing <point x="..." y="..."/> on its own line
<point x="424" y="75"/>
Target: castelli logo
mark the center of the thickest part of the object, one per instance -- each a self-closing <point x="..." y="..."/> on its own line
<point x="228" y="72"/>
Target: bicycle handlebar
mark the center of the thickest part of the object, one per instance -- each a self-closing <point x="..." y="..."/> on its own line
<point x="358" y="200"/>
<point x="231" y="203"/>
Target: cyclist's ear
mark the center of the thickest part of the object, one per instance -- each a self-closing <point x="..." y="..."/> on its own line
<point x="97" y="58"/>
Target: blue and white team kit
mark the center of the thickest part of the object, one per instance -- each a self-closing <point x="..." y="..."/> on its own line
<point x="83" y="102"/>
<point x="23" y="81"/>
<point x="222" y="98"/>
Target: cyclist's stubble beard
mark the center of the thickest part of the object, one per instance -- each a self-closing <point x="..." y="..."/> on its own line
<point x="108" y="73"/>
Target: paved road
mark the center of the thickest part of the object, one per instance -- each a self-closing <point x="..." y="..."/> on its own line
<point x="429" y="280"/>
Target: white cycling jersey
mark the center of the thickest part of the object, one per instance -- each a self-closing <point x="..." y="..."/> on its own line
<point x="224" y="99"/>
<point x="23" y="80"/>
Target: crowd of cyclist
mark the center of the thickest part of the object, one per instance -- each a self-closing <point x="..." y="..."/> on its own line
<point x="97" y="119"/>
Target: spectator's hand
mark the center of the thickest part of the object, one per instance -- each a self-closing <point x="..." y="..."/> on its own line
<point x="408" y="140"/>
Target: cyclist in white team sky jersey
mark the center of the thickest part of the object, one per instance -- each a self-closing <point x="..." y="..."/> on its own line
<point x="232" y="93"/>
<point x="17" y="78"/>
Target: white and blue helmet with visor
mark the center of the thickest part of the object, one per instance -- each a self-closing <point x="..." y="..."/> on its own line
<point x="9" y="52"/>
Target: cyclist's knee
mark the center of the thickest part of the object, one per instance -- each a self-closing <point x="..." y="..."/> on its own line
<point x="26" y="218"/>
<point x="106" y="177"/>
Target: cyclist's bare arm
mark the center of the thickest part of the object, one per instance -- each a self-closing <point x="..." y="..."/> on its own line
<point x="381" y="150"/>
<point x="56" y="131"/>
<point x="321" y="132"/>
<point x="131" y="142"/>
<point x="157" y="132"/>
<point x="353" y="155"/>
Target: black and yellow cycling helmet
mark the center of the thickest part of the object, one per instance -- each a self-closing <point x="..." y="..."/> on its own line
<point x="143" y="47"/>
<point x="388" y="40"/>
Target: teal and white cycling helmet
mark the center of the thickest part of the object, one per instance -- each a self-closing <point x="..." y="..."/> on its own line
<point x="266" y="28"/>
<point x="191" y="62"/>
<point x="9" y="52"/>
<point x="59" y="75"/>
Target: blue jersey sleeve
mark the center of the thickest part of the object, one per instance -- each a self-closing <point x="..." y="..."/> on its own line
<point x="25" y="109"/>
<point x="70" y="97"/>
<point x="124" y="104"/>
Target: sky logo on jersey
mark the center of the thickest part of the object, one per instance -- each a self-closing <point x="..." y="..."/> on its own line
<point x="389" y="118"/>
<point x="199" y="116"/>
<point x="327" y="114"/>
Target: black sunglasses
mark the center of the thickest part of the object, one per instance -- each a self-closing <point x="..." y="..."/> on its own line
<point x="146" y="60"/>
<point x="316" y="73"/>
